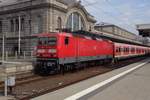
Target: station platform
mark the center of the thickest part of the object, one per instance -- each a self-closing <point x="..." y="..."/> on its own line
<point x="7" y="98"/>
<point x="13" y="67"/>
<point x="127" y="83"/>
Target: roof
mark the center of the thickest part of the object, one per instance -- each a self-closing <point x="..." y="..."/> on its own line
<point x="103" y="24"/>
<point x="10" y="2"/>
<point x="69" y="1"/>
<point x="7" y="2"/>
<point x="143" y="26"/>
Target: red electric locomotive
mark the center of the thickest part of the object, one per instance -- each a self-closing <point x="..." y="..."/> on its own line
<point x="57" y="51"/>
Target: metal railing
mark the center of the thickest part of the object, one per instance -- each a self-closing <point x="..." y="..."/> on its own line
<point x="25" y="55"/>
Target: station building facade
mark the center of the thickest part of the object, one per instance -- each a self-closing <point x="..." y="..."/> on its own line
<point x="31" y="17"/>
<point x="144" y="30"/>
<point x="119" y="32"/>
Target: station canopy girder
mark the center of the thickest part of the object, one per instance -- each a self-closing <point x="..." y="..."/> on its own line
<point x="144" y="29"/>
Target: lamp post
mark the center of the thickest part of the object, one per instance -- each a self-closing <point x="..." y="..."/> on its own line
<point x="19" y="38"/>
<point x="3" y="48"/>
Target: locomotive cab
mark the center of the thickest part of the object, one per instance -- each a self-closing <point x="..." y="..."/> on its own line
<point x="46" y="54"/>
<point x="47" y="47"/>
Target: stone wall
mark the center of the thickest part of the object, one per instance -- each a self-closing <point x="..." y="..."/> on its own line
<point x="39" y="16"/>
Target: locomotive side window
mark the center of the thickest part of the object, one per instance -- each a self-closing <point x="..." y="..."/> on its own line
<point x="66" y="40"/>
<point x="116" y="49"/>
<point x="47" y="41"/>
<point x="52" y="41"/>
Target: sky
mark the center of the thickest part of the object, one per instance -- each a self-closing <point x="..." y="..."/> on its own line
<point x="124" y="13"/>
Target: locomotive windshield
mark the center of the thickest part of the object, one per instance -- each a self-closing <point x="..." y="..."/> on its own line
<point x="47" y="41"/>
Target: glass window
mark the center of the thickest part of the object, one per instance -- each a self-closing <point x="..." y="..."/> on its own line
<point x="75" y="22"/>
<point x="52" y="41"/>
<point x="22" y="24"/>
<point x="119" y="49"/>
<point x="0" y="26"/>
<point x="12" y="26"/>
<point x="59" y="23"/>
<point x="38" y="24"/>
<point x="17" y="25"/>
<point x="66" y="40"/>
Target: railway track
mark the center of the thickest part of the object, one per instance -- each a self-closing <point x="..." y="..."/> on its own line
<point x="23" y="79"/>
<point x="33" y="85"/>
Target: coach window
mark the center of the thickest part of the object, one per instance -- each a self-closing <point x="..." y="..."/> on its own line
<point x="38" y="23"/>
<point x="119" y="49"/>
<point x="127" y="49"/>
<point x="124" y="49"/>
<point x="66" y="40"/>
<point x="116" y="49"/>
<point x="132" y="49"/>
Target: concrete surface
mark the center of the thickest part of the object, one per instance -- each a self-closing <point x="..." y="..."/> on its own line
<point x="135" y="86"/>
<point x="15" y="67"/>
<point x="131" y="84"/>
<point x="7" y="98"/>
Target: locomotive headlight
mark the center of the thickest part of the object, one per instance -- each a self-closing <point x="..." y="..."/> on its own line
<point x="40" y="51"/>
<point x="52" y="50"/>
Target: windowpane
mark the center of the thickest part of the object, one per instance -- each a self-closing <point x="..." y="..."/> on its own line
<point x="69" y="22"/>
<point x="0" y="26"/>
<point x="66" y="40"/>
<point x="12" y="26"/>
<point x="17" y="25"/>
<point x="22" y="24"/>
<point x="59" y="23"/>
<point x="75" y="21"/>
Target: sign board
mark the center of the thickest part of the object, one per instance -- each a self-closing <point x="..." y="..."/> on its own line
<point x="11" y="81"/>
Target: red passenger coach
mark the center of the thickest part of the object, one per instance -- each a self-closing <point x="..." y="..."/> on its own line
<point x="123" y="50"/>
<point x="57" y="51"/>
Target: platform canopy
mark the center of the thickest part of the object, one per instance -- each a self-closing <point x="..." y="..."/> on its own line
<point x="144" y="30"/>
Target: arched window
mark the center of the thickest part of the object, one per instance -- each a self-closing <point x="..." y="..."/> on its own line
<point x="38" y="24"/>
<point x="22" y="24"/>
<point x="12" y="26"/>
<point x="75" y="22"/>
<point x="17" y="25"/>
<point x="0" y="26"/>
<point x="59" y="23"/>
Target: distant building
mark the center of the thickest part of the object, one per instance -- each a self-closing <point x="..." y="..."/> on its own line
<point x="118" y="32"/>
<point x="38" y="16"/>
<point x="144" y="30"/>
